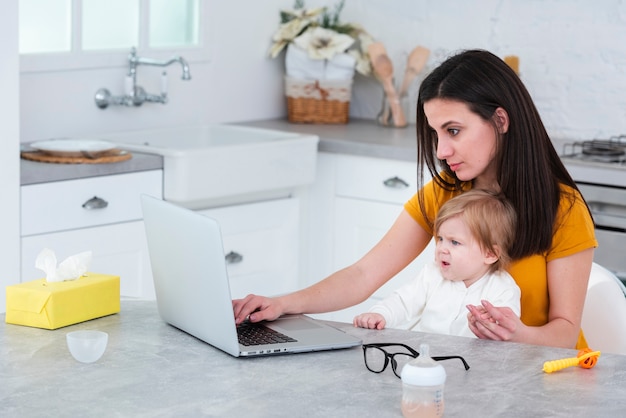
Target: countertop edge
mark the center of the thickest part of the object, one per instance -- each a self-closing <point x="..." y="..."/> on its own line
<point x="33" y="172"/>
<point x="359" y="137"/>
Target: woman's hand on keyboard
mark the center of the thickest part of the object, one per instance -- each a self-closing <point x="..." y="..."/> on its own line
<point x="256" y="308"/>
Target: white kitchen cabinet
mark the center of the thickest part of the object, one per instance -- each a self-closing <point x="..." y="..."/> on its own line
<point x="261" y="245"/>
<point x="100" y="214"/>
<point x="368" y="195"/>
<point x="118" y="249"/>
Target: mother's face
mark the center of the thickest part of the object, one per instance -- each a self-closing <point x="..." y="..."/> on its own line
<point x="465" y="141"/>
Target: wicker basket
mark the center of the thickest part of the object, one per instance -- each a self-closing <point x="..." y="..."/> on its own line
<point x="321" y="101"/>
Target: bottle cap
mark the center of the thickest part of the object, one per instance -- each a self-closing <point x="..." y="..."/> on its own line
<point x="423" y="371"/>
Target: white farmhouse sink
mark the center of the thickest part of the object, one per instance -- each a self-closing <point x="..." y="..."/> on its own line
<point x="213" y="165"/>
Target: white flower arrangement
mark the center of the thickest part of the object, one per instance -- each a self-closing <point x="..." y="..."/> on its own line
<point x="320" y="34"/>
<point x="322" y="43"/>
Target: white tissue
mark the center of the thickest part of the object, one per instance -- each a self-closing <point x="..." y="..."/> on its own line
<point x="71" y="268"/>
<point x="298" y="65"/>
<point x="340" y="67"/>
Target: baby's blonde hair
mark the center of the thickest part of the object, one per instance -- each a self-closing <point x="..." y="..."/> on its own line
<point x="490" y="218"/>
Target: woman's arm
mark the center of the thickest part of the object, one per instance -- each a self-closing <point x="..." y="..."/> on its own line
<point x="401" y="244"/>
<point x="567" y="288"/>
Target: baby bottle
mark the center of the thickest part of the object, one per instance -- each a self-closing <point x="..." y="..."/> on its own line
<point x="422" y="387"/>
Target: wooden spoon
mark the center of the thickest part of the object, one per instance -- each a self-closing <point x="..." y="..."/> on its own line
<point x="383" y="117"/>
<point x="415" y="64"/>
<point x="383" y="68"/>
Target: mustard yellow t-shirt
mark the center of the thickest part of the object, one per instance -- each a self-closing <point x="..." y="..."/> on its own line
<point x="575" y="233"/>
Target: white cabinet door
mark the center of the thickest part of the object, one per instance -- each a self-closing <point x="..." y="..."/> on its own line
<point x="86" y="202"/>
<point x="100" y="214"/>
<point x="375" y="179"/>
<point x="359" y="226"/>
<point x="369" y="194"/>
<point x="260" y="246"/>
<point x="118" y="249"/>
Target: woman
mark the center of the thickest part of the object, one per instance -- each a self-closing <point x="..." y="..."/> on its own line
<point x="477" y="127"/>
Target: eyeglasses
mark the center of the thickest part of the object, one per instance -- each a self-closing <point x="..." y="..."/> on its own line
<point x="377" y="358"/>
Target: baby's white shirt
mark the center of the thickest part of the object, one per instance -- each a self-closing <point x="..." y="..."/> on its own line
<point x="429" y="303"/>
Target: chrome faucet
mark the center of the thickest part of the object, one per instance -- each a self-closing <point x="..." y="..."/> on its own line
<point x="134" y="94"/>
<point x="134" y="61"/>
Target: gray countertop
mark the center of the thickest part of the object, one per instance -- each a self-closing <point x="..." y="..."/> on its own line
<point x="33" y="172"/>
<point x="359" y="137"/>
<point x="152" y="369"/>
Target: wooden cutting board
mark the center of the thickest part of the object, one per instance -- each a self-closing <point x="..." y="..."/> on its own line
<point x="112" y="156"/>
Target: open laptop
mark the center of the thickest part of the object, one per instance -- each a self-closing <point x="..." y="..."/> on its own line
<point x="193" y="291"/>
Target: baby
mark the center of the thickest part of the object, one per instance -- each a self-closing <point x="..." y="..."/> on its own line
<point x="473" y="233"/>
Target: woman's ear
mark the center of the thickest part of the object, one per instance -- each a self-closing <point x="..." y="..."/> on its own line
<point x="501" y="117"/>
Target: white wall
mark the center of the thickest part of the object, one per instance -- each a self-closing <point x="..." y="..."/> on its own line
<point x="9" y="150"/>
<point x="572" y="52"/>
<point x="572" y="58"/>
<point x="239" y="83"/>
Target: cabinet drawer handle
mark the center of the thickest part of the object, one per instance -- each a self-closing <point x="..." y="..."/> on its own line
<point x="233" y="258"/>
<point x="95" y="203"/>
<point x="396" y="183"/>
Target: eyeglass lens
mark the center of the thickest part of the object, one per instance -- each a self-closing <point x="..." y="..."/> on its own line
<point x="401" y="359"/>
<point x="377" y="359"/>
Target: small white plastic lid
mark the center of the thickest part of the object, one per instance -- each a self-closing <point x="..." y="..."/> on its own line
<point x="423" y="376"/>
<point x="423" y="371"/>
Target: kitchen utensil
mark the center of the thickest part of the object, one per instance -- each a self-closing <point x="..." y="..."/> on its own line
<point x="87" y="346"/>
<point x="383" y="68"/>
<point x="113" y="156"/>
<point x="73" y="147"/>
<point x="415" y="64"/>
<point x="383" y="117"/>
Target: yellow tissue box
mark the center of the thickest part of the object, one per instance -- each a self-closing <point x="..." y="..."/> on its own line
<point x="53" y="305"/>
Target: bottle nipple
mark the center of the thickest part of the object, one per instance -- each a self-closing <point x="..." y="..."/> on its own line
<point x="423" y="371"/>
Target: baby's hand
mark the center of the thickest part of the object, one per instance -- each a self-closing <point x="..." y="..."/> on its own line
<point x="369" y="320"/>
<point x="494" y="323"/>
<point x="478" y="313"/>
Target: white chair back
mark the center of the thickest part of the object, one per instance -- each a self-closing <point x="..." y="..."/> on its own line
<point x="604" y="314"/>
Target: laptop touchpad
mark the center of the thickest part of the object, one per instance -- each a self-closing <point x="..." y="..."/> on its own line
<point x="295" y="324"/>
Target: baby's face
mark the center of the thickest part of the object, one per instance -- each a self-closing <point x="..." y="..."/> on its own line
<point x="458" y="255"/>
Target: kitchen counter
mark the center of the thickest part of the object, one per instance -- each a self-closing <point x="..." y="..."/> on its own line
<point x="152" y="369"/>
<point x="358" y="137"/>
<point x="33" y="172"/>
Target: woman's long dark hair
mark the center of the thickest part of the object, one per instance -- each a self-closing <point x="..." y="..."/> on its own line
<point x="529" y="170"/>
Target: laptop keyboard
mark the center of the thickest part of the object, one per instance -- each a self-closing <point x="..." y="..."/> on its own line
<point x="256" y="334"/>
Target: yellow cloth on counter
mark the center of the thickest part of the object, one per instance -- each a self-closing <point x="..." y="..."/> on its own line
<point x="53" y="305"/>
